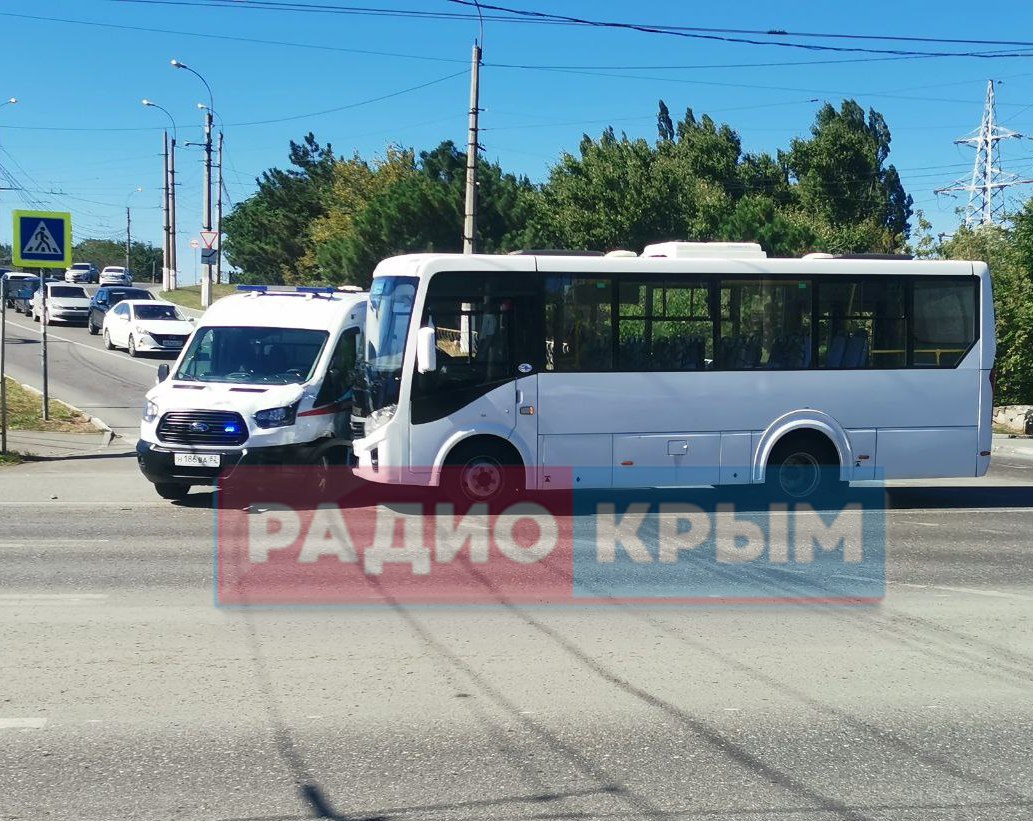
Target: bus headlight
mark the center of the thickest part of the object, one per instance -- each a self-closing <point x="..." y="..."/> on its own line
<point x="379" y="418"/>
<point x="277" y="417"/>
<point x="150" y="411"/>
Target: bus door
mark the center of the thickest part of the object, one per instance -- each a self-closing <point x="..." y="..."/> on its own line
<point x="485" y="381"/>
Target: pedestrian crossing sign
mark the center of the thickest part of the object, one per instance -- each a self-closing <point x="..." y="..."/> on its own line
<point x="42" y="239"/>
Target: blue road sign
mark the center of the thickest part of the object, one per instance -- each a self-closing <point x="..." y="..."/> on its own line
<point x="42" y="239"/>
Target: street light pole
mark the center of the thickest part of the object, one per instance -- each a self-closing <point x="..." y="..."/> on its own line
<point x="169" y="273"/>
<point x="218" y="201"/>
<point x="206" y="204"/>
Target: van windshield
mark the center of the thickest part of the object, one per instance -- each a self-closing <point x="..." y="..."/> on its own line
<point x="253" y="355"/>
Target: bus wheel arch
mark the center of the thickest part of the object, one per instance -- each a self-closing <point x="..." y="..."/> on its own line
<point x="483" y="468"/>
<point x="802" y="463"/>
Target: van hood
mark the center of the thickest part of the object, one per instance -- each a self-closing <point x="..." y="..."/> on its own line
<point x="174" y="394"/>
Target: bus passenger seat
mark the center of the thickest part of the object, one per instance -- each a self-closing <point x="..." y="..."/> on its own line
<point x="837" y="348"/>
<point x="856" y="355"/>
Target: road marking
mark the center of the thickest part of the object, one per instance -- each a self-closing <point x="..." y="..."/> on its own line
<point x="996" y="594"/>
<point x="31" y="542"/>
<point x="22" y="723"/>
<point x="52" y="335"/>
<point x="23" y="599"/>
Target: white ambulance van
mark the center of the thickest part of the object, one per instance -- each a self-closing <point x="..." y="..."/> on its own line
<point x="265" y="379"/>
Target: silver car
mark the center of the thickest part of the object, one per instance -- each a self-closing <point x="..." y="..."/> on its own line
<point x="116" y="275"/>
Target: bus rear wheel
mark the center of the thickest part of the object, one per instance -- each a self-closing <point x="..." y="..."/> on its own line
<point x="482" y="471"/>
<point x="803" y="467"/>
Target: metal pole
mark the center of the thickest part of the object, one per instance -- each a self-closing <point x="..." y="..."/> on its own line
<point x="128" y="236"/>
<point x="3" y="366"/>
<point x="173" y="251"/>
<point x="206" y="269"/>
<point x="43" y="330"/>
<point x="165" y="208"/>
<point x="470" y="223"/>
<point x="218" y="219"/>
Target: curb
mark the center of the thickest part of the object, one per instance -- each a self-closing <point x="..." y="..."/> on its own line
<point x="96" y="421"/>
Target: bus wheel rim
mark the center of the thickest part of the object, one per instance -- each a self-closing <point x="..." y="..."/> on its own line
<point x="799" y="474"/>
<point x="482" y="479"/>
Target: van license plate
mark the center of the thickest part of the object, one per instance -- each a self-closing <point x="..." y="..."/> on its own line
<point x="196" y="460"/>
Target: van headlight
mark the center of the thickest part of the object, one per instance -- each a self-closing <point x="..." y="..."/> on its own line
<point x="150" y="411"/>
<point x="277" y="417"/>
<point x="379" y="418"/>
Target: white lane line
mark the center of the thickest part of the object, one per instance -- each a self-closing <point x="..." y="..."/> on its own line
<point x="22" y="723"/>
<point x="120" y="357"/>
<point x="995" y="594"/>
<point x="60" y="599"/>
<point x="24" y="542"/>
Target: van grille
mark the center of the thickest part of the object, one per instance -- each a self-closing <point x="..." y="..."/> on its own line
<point x="202" y="428"/>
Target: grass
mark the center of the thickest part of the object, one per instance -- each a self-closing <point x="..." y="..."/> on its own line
<point x="10" y="458"/>
<point x="190" y="297"/>
<point x="25" y="412"/>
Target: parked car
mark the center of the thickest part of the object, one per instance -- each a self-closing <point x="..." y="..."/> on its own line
<point x="106" y="298"/>
<point x="146" y="326"/>
<point x="82" y="272"/>
<point x="68" y="303"/>
<point x="116" y="275"/>
<point x="23" y="296"/>
<point x="12" y="282"/>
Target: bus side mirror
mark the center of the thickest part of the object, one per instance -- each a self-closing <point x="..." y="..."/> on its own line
<point x="426" y="350"/>
<point x="163" y="371"/>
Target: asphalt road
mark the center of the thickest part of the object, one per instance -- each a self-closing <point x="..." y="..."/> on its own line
<point x="106" y="384"/>
<point x="127" y="694"/>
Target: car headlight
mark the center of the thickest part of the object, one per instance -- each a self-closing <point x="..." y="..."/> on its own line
<point x="379" y="418"/>
<point x="277" y="417"/>
<point x="150" y="411"/>
<point x="141" y="330"/>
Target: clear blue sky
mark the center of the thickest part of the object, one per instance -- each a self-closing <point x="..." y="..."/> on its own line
<point x="80" y="139"/>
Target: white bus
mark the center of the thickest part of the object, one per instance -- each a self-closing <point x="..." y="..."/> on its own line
<point x="694" y="364"/>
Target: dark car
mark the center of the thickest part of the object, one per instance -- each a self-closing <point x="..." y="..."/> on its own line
<point x="21" y="301"/>
<point x="12" y="282"/>
<point x="106" y="298"/>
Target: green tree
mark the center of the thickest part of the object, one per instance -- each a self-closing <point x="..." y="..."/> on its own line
<point x="268" y="235"/>
<point x="842" y="180"/>
<point x="1009" y="254"/>
<point x="104" y="252"/>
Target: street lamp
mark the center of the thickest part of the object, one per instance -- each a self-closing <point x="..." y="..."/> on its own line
<point x="169" y="274"/>
<point x="206" y="205"/>
<point x="10" y="101"/>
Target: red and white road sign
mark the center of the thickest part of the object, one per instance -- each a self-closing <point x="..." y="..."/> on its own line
<point x="209" y="237"/>
<point x="194" y="243"/>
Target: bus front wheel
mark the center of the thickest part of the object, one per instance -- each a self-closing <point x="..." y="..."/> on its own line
<point x="482" y="471"/>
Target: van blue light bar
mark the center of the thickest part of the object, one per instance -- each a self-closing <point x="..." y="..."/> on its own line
<point x="260" y="288"/>
<point x="314" y="289"/>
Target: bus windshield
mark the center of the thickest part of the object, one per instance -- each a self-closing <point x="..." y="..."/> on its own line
<point x="387" y="327"/>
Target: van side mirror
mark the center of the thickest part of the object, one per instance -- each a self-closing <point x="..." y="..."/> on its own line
<point x="426" y="350"/>
<point x="163" y="371"/>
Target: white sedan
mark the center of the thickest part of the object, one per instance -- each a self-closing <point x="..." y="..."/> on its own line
<point x="116" y="275"/>
<point x="69" y="303"/>
<point x="146" y="326"/>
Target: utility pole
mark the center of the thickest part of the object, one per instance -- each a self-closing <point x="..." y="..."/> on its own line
<point x="470" y="223"/>
<point x="165" y="255"/>
<point x="43" y="320"/>
<point x="173" y="255"/>
<point x="985" y="188"/>
<point x="206" y="269"/>
<point x="218" y="217"/>
<point x="128" y="236"/>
